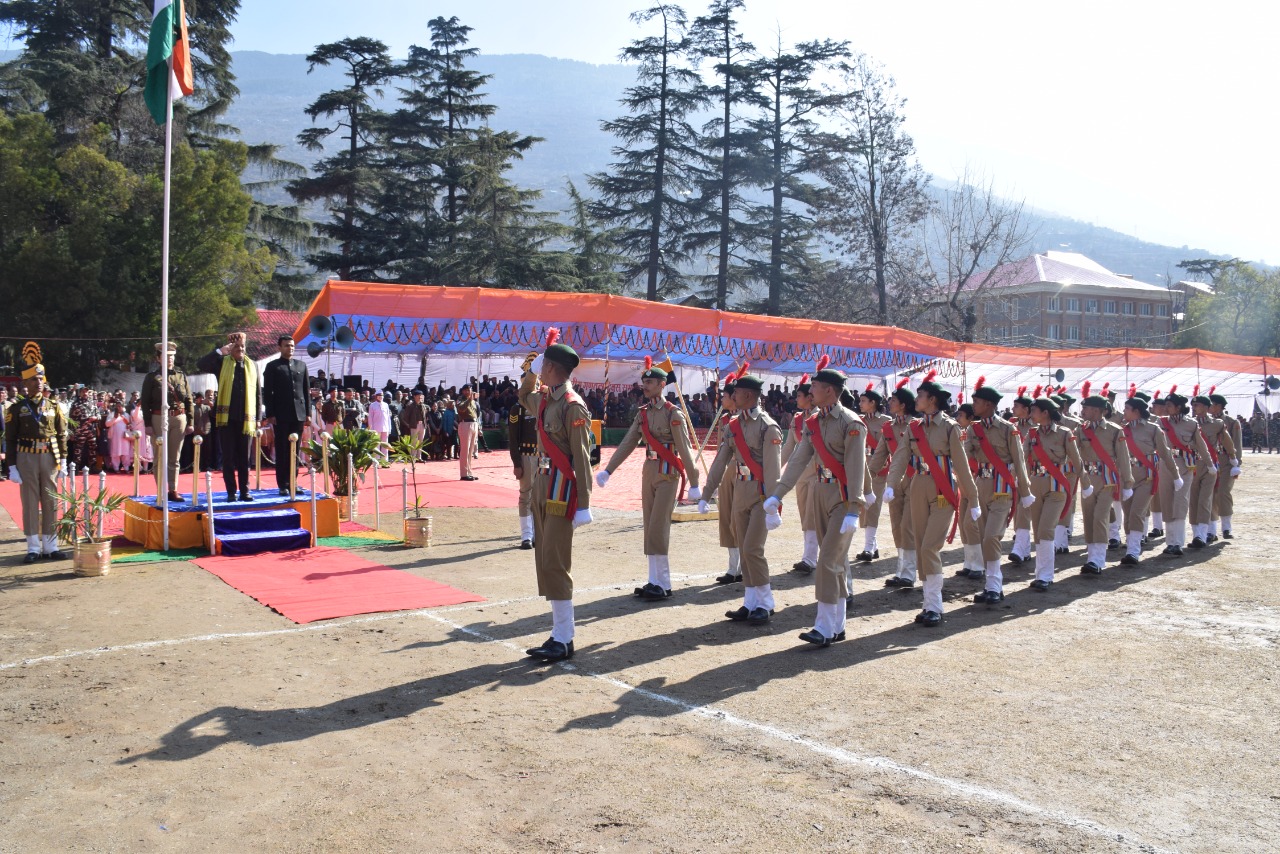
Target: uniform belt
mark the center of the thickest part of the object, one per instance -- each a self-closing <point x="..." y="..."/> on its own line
<point x="35" y="446"/>
<point x="1040" y="471"/>
<point x="825" y="474"/>
<point x="985" y="470"/>
<point x="744" y="473"/>
<point x="544" y="463"/>
<point x="1091" y="468"/>
<point x="827" y="479"/>
<point x="919" y="464"/>
<point x="177" y="410"/>
<point x="651" y="455"/>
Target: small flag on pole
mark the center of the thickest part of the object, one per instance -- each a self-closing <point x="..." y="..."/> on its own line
<point x="168" y="53"/>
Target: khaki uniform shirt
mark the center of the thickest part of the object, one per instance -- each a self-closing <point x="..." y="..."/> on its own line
<point x="1060" y="444"/>
<point x="28" y="422"/>
<point x="878" y="463"/>
<point x="1154" y="446"/>
<point x="1111" y="438"/>
<point x="1218" y="437"/>
<point x="179" y="394"/>
<point x="945" y="442"/>
<point x="764" y="443"/>
<point x="567" y="424"/>
<point x="1188" y="432"/>
<point x="1006" y="442"/>
<point x="844" y="435"/>
<point x="1237" y="440"/>
<point x="667" y="425"/>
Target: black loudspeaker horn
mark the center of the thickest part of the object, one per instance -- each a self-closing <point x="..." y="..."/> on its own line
<point x="321" y="326"/>
<point x="344" y="337"/>
<point x="1059" y="375"/>
<point x="1273" y="383"/>
<point x="314" y="349"/>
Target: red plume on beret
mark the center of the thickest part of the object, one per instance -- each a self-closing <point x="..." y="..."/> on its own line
<point x="1036" y="393"/>
<point x="1084" y="389"/>
<point x="1106" y="387"/>
<point x="1157" y="395"/>
<point x="871" y="385"/>
<point x="902" y="382"/>
<point x="742" y="371"/>
<point x="1062" y="389"/>
<point x="1173" y="388"/>
<point x="1022" y="391"/>
<point x="1133" y="389"/>
<point x="960" y="399"/>
<point x="980" y="383"/>
<point x="1212" y="389"/>
<point x="1195" y="391"/>
<point x="553" y="335"/>
<point x="804" y="379"/>
<point x="823" y="362"/>
<point x="648" y="362"/>
<point x="928" y="378"/>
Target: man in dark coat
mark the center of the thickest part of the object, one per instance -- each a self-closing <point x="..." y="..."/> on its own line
<point x="287" y="403"/>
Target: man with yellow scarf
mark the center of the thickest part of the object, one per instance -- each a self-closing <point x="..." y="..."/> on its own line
<point x="236" y="410"/>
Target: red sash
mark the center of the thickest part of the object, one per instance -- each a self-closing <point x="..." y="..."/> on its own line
<point x="1042" y="457"/>
<point x="798" y="425"/>
<point x="744" y="452"/>
<point x="1213" y="454"/>
<point x="1101" y="453"/>
<point x="828" y="459"/>
<point x="560" y="461"/>
<point x="887" y="430"/>
<point x="1172" y="435"/>
<point x="940" y="479"/>
<point x="664" y="453"/>
<point x="1143" y="459"/>
<point x="996" y="463"/>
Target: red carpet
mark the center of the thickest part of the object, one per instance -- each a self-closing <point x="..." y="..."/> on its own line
<point x="323" y="583"/>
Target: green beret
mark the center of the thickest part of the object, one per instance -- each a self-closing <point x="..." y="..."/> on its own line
<point x="654" y="374"/>
<point x="967" y="409"/>
<point x="750" y="382"/>
<point x="1095" y="400"/>
<point x="940" y="393"/>
<point x="872" y="395"/>
<point x="1176" y="399"/>
<point x="1217" y="400"/>
<point x="830" y="376"/>
<point x="1138" y="404"/>
<point x="563" y="355"/>
<point x="1144" y="396"/>
<point x="1047" y="404"/>
<point x="987" y="393"/>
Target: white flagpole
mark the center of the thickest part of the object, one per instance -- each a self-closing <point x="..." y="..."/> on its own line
<point x="162" y="492"/>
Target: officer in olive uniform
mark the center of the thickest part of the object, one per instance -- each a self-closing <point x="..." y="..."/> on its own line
<point x="753" y="462"/>
<point x="935" y="451"/>
<point x="834" y="446"/>
<point x="871" y="405"/>
<point x="902" y="409"/>
<point x="1105" y="470"/>
<point x="175" y="421"/>
<point x="1221" y="451"/>
<point x="1001" y="474"/>
<point x="1192" y="455"/>
<point x="35" y="450"/>
<point x="1152" y="461"/>
<point x="522" y="442"/>
<point x="561" y="485"/>
<point x="668" y="464"/>
<point x="808" y="527"/>
<point x="1223" y="504"/>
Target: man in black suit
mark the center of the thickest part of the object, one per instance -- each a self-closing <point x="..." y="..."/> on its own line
<point x="287" y="401"/>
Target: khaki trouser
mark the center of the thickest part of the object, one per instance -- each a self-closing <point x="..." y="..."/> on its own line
<point x="177" y="432"/>
<point x="39" y="474"/>
<point x="970" y="531"/>
<point x="932" y="518"/>
<point x="1137" y="507"/>
<point x="466" y="446"/>
<point x="528" y="470"/>
<point x="750" y="533"/>
<point x="1200" y="502"/>
<point x="1046" y="512"/>
<point x="995" y="517"/>
<point x="904" y="532"/>
<point x="658" y="493"/>
<point x="871" y="513"/>
<point x="1223" y="502"/>
<point x="827" y="508"/>
<point x="552" y="545"/>
<point x="803" y="487"/>
<point x="1174" y="504"/>
<point x="1096" y="509"/>
<point x="725" y="505"/>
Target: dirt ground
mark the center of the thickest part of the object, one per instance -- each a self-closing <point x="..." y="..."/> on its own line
<point x="158" y="709"/>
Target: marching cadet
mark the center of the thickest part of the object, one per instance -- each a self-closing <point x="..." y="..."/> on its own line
<point x="1152" y="462"/>
<point x="1159" y="409"/>
<point x="522" y="442"/>
<point x="1021" y="550"/>
<point x="668" y="466"/>
<point x="936" y="452"/>
<point x="174" y="421"/>
<point x="1223" y="502"/>
<point x="871" y="404"/>
<point x="1066" y="528"/>
<point x="1192" y="455"/>
<point x="970" y="534"/>
<point x="35" y="449"/>
<point x="725" y="517"/>
<point x="1117" y="506"/>
<point x="834" y="446"/>
<point x="561" y="486"/>
<point x="1001" y="477"/>
<point x="1105" y="470"/>
<point x="1050" y="451"/>
<point x="756" y="444"/>
<point x="1218" y="441"/>
<point x="804" y="406"/>
<point x="902" y="409"/>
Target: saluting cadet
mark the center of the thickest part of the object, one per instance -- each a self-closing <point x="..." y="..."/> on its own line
<point x="1021" y="550"/>
<point x="1105" y="471"/>
<point x="970" y="534"/>
<point x="668" y="466"/>
<point x="834" y="446"/>
<point x="1192" y="455"/>
<point x="561" y="487"/>
<point x="936" y="452"/>
<point x="902" y="408"/>
<point x="1152" y="461"/>
<point x="1221" y="449"/>
<point x="35" y="450"/>
<point x="1050" y="451"/>
<point x="808" y="527"/>
<point x="756" y="444"/>
<point x="522" y="442"/>
<point x="871" y="404"/>
<point x="725" y="516"/>
<point x="1224" y="504"/>
<point x="1001" y="475"/>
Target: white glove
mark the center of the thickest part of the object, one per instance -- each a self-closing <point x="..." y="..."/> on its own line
<point x="772" y="505"/>
<point x="1027" y="500"/>
<point x="975" y="513"/>
<point x="536" y="367"/>
<point x="602" y="477"/>
<point x="1126" y="494"/>
<point x="887" y="495"/>
<point x="1178" y="482"/>
<point x="1213" y="469"/>
<point x="582" y="517"/>
<point x="869" y="498"/>
<point x="850" y="522"/>
<point x="694" y="493"/>
<point x="772" y="521"/>
<point x="1088" y="490"/>
<point x="703" y="508"/>
<point x="1235" y="471"/>
<point x="15" y="476"/>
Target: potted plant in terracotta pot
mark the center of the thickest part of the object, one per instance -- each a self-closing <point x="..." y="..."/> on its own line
<point x="360" y="446"/>
<point x="417" y="524"/>
<point x="79" y="524"/>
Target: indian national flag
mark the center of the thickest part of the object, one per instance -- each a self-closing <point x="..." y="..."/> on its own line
<point x="168" y="48"/>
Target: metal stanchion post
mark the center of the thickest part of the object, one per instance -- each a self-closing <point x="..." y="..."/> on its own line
<point x="377" y="507"/>
<point x="102" y="488"/>
<point x="315" y="531"/>
<point x="404" y="494"/>
<point x="84" y="493"/>
<point x="137" y="461"/>
<point x="293" y="466"/>
<point x="324" y="461"/>
<point x="208" y="489"/>
<point x="257" y="459"/>
<point x="196" y="442"/>
<point x="351" y="488"/>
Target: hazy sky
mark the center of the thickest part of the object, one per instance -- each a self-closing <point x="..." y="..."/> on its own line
<point x="1156" y="119"/>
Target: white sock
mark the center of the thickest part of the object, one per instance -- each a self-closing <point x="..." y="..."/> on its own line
<point x="749" y="598"/>
<point x="1226" y="524"/>
<point x="1097" y="553"/>
<point x="50" y="543"/>
<point x="933" y="593"/>
<point x="869" y="544"/>
<point x="1197" y="530"/>
<point x="764" y="597"/>
<point x="1044" y="560"/>
<point x="901" y="561"/>
<point x="994" y="577"/>
<point x="33" y="544"/>
<point x="653" y="569"/>
<point x="562" y="620"/>
<point x="810" y="554"/>
<point x="1117" y="510"/>
<point x="973" y="557"/>
<point x="526" y="527"/>
<point x="1060" y="535"/>
<point x="911" y="568"/>
<point x="1022" y="542"/>
<point x="733" y="562"/>
<point x="664" y="571"/>
<point x="835" y="618"/>
<point x="1177" y="533"/>
<point x="1213" y="527"/>
<point x="1134" y="544"/>
<point x="1157" y="521"/>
